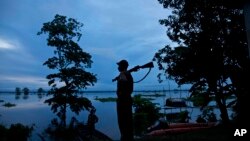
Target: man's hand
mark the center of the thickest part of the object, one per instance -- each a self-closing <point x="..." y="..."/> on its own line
<point x="113" y="80"/>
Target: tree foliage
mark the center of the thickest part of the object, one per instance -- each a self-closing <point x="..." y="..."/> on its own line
<point x="26" y="91"/>
<point x="212" y="47"/>
<point x="70" y="63"/>
<point x="18" y="91"/>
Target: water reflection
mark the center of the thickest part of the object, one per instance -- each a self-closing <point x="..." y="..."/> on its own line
<point x="17" y="96"/>
<point x="33" y="110"/>
<point x="25" y="96"/>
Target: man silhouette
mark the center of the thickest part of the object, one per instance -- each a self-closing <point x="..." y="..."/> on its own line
<point x="92" y="120"/>
<point x="124" y="100"/>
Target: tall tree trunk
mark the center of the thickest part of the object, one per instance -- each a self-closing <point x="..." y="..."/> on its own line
<point x="63" y="118"/>
<point x="220" y="101"/>
<point x="240" y="78"/>
<point x="222" y="106"/>
<point x="247" y="22"/>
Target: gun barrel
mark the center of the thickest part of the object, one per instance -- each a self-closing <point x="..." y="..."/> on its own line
<point x="148" y="65"/>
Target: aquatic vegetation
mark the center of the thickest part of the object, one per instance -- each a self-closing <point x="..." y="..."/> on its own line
<point x="8" y="105"/>
<point x="108" y="99"/>
<point x="152" y="95"/>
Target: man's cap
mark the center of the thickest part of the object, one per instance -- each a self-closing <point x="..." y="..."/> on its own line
<point x="122" y="63"/>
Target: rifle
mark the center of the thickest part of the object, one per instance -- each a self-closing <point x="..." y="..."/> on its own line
<point x="136" y="68"/>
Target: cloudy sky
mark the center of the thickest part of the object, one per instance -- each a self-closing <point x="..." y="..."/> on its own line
<point x="113" y="30"/>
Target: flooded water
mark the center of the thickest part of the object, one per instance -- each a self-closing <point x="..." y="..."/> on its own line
<point x="31" y="110"/>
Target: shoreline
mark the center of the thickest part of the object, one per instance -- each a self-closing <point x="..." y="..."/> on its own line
<point x="106" y="91"/>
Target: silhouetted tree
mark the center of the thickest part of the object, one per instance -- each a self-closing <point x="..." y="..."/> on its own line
<point x="18" y="91"/>
<point x="16" y="132"/>
<point x="40" y="90"/>
<point x="211" y="51"/>
<point x="26" y="91"/>
<point x="71" y="62"/>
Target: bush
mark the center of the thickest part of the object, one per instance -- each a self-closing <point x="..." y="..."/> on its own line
<point x="146" y="113"/>
<point x="16" y="132"/>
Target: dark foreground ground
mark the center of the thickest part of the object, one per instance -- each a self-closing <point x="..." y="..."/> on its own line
<point x="217" y="133"/>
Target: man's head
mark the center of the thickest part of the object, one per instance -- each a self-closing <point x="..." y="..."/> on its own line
<point x="122" y="65"/>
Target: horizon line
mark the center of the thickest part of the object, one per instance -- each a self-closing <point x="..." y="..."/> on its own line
<point x="99" y="91"/>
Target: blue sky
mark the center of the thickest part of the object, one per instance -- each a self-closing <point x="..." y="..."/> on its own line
<point x="113" y="30"/>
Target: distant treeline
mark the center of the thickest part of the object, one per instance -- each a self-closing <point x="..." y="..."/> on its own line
<point x="96" y="91"/>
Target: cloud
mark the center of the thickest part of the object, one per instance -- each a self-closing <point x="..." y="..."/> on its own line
<point x="113" y="30"/>
<point x="125" y="29"/>
<point x="23" y="81"/>
<point x="15" y="56"/>
<point x="105" y="52"/>
<point x="7" y="45"/>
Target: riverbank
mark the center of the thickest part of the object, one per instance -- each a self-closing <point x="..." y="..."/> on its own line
<point x="217" y="133"/>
